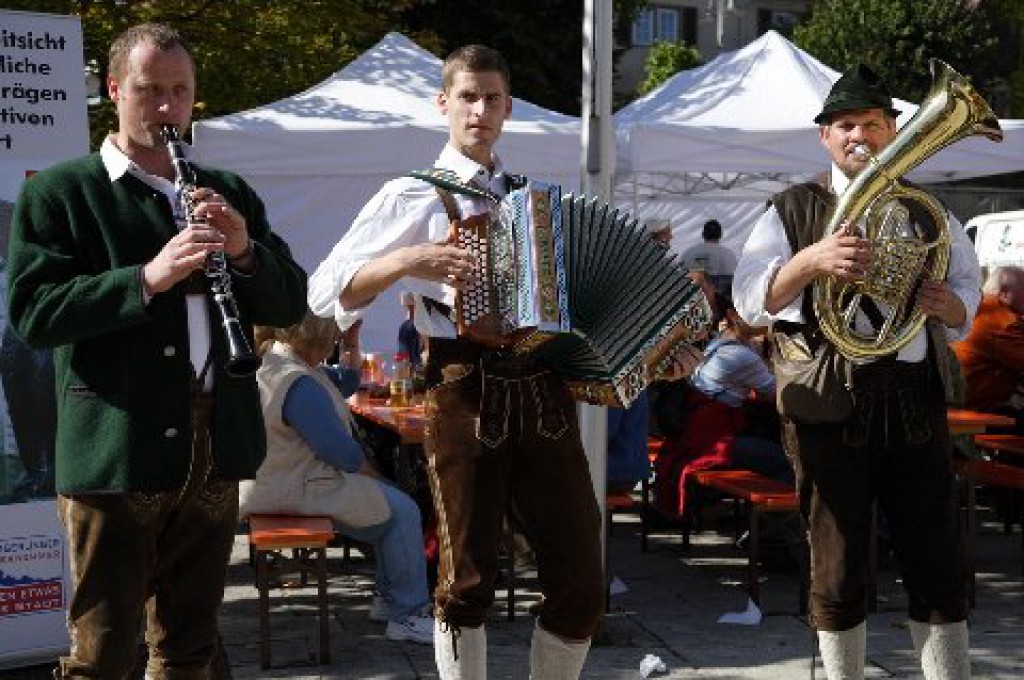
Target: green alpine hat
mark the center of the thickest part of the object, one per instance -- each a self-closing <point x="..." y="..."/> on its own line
<point x="858" y="88"/>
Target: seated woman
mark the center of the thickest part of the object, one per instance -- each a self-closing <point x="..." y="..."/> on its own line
<point x="315" y="466"/>
<point x="709" y="430"/>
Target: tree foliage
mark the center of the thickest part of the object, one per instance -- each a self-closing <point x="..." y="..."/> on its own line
<point x="897" y="37"/>
<point x="248" y="52"/>
<point x="665" y="60"/>
<point x="251" y="52"/>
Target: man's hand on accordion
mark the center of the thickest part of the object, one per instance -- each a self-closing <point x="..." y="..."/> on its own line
<point x="441" y="262"/>
<point x="683" y="360"/>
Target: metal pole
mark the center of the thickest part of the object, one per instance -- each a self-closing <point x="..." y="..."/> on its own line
<point x="596" y="162"/>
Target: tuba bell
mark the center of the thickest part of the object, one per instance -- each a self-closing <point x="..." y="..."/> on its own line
<point x="875" y="199"/>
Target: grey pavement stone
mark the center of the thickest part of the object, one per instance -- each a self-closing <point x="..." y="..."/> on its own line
<point x="670" y="609"/>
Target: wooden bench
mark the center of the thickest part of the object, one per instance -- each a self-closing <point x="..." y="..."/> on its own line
<point x="307" y="537"/>
<point x="759" y="494"/>
<point x="993" y="474"/>
<point x="623" y="502"/>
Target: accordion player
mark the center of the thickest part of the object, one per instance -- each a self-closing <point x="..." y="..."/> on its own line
<point x="578" y="283"/>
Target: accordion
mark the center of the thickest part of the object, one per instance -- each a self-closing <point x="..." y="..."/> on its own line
<point x="583" y="286"/>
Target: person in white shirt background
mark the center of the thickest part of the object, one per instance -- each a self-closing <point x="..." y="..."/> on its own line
<point x="711" y="257"/>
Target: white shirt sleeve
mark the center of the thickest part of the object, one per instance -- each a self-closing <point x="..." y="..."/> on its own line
<point x="964" y="276"/>
<point x="403" y="213"/>
<point x="764" y="253"/>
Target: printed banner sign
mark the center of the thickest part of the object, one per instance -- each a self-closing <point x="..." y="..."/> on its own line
<point x="42" y="95"/>
<point x="43" y="121"/>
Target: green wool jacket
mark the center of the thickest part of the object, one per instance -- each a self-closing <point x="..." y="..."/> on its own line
<point x="77" y="245"/>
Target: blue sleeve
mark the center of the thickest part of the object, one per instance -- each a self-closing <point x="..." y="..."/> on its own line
<point x="344" y="378"/>
<point x="309" y="409"/>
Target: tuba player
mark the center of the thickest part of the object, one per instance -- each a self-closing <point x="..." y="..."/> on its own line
<point x="890" y="443"/>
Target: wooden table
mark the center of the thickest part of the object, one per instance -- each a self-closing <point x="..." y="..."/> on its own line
<point x="405" y="421"/>
<point x="408" y="423"/>
<point x="966" y="422"/>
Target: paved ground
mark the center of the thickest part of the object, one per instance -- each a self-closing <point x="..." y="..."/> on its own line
<point x="670" y="610"/>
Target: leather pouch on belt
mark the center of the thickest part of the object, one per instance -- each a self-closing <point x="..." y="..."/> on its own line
<point x="812" y="379"/>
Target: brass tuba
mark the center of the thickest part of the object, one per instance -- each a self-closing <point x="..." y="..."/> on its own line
<point x="952" y="110"/>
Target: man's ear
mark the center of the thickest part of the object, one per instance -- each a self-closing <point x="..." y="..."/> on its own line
<point x="113" y="88"/>
<point x="823" y="131"/>
<point x="442" y="102"/>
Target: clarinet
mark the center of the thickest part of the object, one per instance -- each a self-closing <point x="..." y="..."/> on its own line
<point x="241" y="359"/>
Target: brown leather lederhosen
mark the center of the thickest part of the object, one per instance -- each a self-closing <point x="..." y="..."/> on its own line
<point x="894" y="449"/>
<point x="159" y="555"/>
<point x="502" y="432"/>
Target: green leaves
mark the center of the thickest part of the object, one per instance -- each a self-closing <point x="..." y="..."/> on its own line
<point x="897" y="37"/>
<point x="664" y="61"/>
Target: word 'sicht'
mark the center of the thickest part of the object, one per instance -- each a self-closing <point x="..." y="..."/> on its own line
<point x="30" y="40"/>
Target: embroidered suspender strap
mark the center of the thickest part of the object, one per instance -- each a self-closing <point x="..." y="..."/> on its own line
<point x="450" y="206"/>
<point x="446" y="179"/>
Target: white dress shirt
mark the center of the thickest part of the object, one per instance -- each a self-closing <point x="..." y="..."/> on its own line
<point x="767" y="250"/>
<point x="405" y="212"/>
<point x="118" y="165"/>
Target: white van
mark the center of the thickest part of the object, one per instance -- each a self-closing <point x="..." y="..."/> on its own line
<point x="998" y="238"/>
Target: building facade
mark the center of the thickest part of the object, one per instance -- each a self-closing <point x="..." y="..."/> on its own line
<point x="713" y="26"/>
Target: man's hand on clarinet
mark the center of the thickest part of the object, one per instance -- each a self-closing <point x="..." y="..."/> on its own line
<point x="185" y="253"/>
<point x="441" y="262"/>
<point x="213" y="209"/>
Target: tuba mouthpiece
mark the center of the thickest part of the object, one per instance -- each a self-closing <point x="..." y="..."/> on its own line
<point x="863" y="151"/>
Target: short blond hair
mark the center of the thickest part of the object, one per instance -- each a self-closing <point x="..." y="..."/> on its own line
<point x="161" y="36"/>
<point x="311" y="333"/>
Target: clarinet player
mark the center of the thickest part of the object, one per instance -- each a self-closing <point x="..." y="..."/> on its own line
<point x="153" y="432"/>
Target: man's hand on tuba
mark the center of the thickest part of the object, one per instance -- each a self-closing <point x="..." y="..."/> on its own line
<point x="842" y="254"/>
<point x="937" y="299"/>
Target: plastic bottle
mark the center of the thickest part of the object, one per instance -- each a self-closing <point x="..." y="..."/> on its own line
<point x="401" y="380"/>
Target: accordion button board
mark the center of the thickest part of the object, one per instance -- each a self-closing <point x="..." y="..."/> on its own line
<point x="581" y="285"/>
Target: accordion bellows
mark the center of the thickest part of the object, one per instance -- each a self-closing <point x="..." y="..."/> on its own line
<point x="582" y="285"/>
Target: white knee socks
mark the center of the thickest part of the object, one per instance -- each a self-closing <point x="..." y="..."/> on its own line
<point x="466" y="658"/>
<point x="943" y="649"/>
<point x="843" y="653"/>
<point x="551" y="658"/>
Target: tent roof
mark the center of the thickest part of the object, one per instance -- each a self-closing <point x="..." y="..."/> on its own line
<point x="752" y="111"/>
<point x="383" y="101"/>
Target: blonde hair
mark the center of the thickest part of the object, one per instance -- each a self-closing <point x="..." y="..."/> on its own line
<point x="161" y="36"/>
<point x="312" y="332"/>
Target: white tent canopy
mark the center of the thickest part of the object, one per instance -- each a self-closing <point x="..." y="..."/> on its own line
<point x="317" y="157"/>
<point x="745" y="121"/>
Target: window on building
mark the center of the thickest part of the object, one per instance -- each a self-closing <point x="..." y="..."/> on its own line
<point x="781" y="21"/>
<point x="665" y="24"/>
<point x="668" y="25"/>
<point x="643" y="28"/>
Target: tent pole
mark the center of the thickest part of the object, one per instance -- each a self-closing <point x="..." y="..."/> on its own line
<point x="597" y="156"/>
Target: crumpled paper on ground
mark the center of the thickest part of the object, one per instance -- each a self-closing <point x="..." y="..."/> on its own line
<point x="652" y="664"/>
